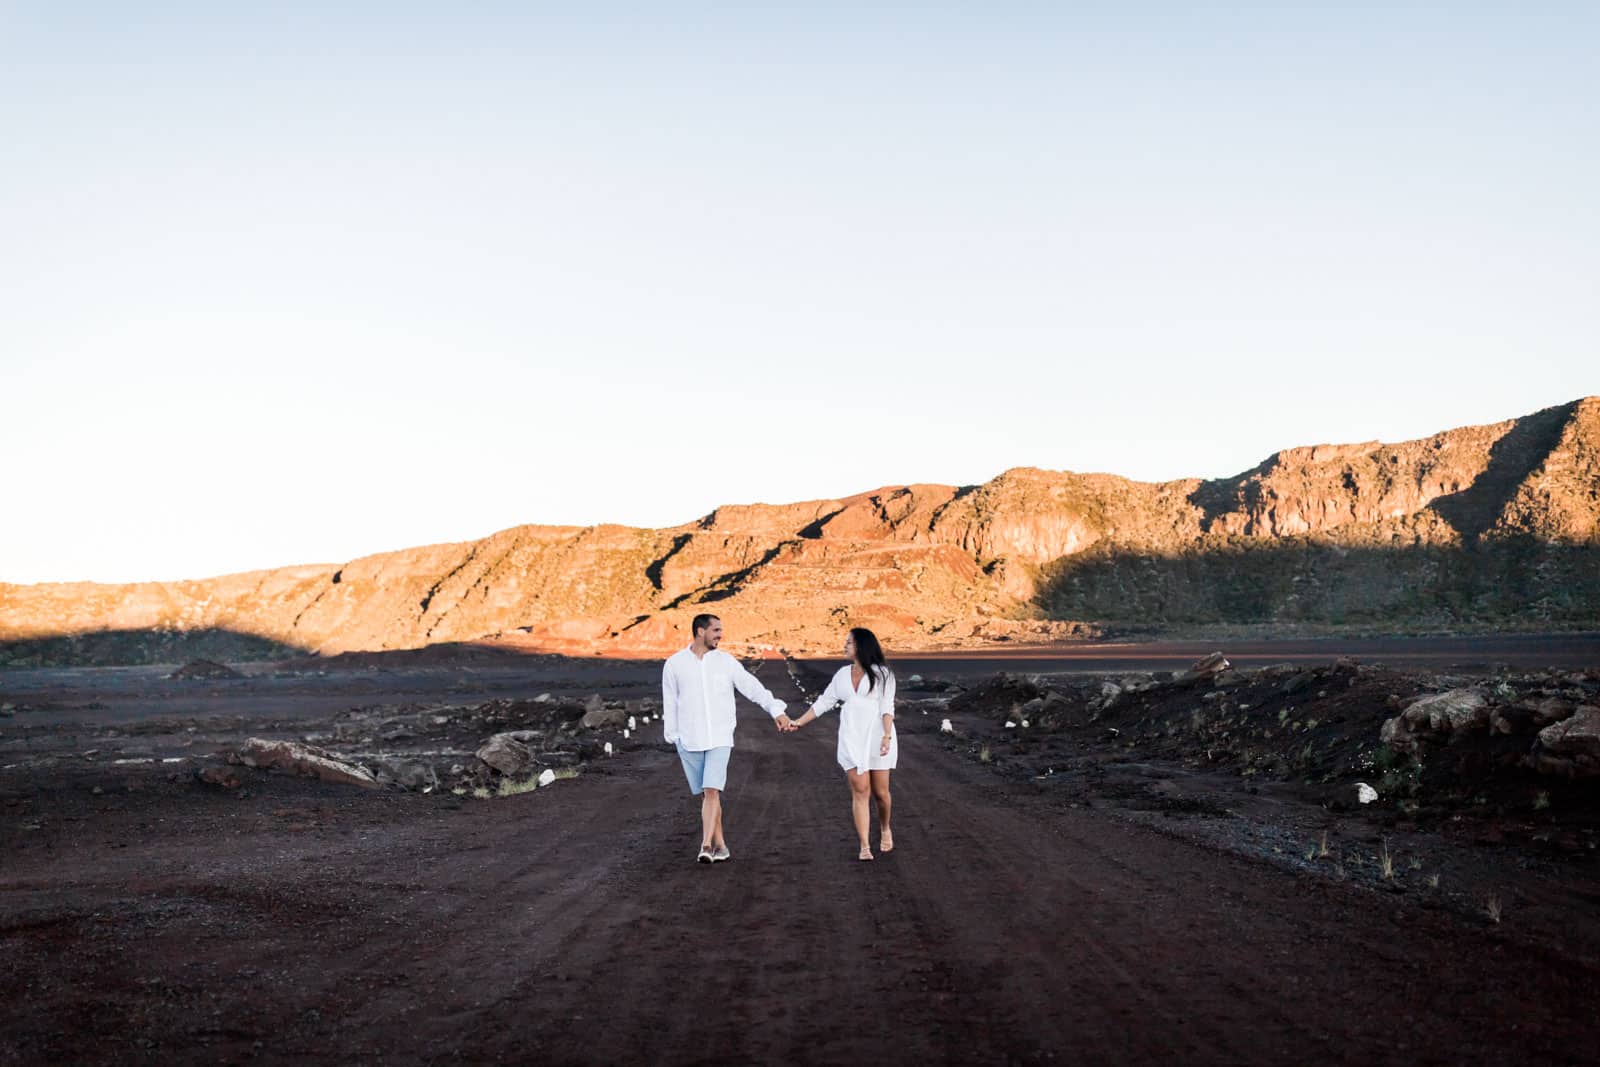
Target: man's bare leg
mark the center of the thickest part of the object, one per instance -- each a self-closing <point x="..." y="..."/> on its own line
<point x="717" y="839"/>
<point x="711" y="818"/>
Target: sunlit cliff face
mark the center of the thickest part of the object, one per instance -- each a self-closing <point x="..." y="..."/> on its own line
<point x="1310" y="536"/>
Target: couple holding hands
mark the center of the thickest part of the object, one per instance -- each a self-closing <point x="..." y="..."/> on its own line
<point x="697" y="686"/>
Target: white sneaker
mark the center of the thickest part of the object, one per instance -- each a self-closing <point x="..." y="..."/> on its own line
<point x="705" y="855"/>
<point x="720" y="853"/>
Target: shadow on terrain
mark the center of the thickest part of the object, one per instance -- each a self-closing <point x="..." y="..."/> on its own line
<point x="1518" y="582"/>
<point x="1511" y="461"/>
<point x="100" y="648"/>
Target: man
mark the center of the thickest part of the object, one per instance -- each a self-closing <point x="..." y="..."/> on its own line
<point x="697" y="716"/>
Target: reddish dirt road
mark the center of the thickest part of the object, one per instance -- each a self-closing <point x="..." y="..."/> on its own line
<point x="570" y="925"/>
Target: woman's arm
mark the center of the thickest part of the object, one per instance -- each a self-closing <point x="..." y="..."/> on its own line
<point x="886" y="707"/>
<point x="824" y="703"/>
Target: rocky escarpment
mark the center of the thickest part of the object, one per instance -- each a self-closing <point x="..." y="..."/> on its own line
<point x="1482" y="526"/>
<point x="1486" y="525"/>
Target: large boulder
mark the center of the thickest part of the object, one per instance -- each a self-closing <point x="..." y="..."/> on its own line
<point x="306" y="761"/>
<point x="1050" y="711"/>
<point x="1300" y="679"/>
<point x="605" y="719"/>
<point x="1207" y="668"/>
<point x="1397" y="735"/>
<point x="406" y="774"/>
<point x="596" y="716"/>
<point x="1512" y="719"/>
<point x="204" y="668"/>
<point x="998" y="697"/>
<point x="505" y="754"/>
<point x="1110" y="692"/>
<point x="224" y="777"/>
<point x="1552" y="710"/>
<point x="1570" y="747"/>
<point x="1450" y="712"/>
<point x="1436" y="718"/>
<point x="1530" y="716"/>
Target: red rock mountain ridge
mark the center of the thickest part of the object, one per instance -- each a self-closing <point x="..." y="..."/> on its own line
<point x="1479" y="526"/>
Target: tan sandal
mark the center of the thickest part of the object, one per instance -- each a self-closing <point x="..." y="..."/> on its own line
<point x="865" y="853"/>
<point x="886" y="841"/>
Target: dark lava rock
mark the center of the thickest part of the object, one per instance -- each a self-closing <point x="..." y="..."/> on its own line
<point x="204" y="668"/>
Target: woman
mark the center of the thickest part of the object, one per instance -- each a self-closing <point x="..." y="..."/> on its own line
<point x="868" y="748"/>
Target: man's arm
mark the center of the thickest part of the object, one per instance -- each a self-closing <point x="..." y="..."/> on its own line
<point x="669" y="704"/>
<point x="746" y="683"/>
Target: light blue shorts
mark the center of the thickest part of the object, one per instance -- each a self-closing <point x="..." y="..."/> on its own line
<point x="705" y="770"/>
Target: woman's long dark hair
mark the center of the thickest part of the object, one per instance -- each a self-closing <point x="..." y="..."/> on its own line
<point x="869" y="654"/>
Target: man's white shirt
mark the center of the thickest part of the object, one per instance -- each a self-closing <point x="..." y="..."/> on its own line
<point x="697" y="698"/>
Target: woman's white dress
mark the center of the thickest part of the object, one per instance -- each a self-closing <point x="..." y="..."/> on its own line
<point x="861" y="720"/>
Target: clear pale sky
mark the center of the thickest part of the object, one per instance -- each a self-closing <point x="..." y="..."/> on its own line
<point x="288" y="283"/>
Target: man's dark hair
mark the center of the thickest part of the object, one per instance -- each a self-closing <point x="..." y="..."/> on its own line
<point x="700" y="623"/>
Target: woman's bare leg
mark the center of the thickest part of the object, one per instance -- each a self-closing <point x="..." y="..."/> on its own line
<point x="880" y="790"/>
<point x="861" y="808"/>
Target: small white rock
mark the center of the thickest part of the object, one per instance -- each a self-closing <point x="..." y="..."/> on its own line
<point x="946" y="728"/>
<point x="1010" y="725"/>
<point x="625" y="734"/>
<point x="546" y="777"/>
<point x="633" y="724"/>
<point x="542" y="698"/>
<point x="1024" y="724"/>
<point x="608" y="748"/>
<point x="1365" y="793"/>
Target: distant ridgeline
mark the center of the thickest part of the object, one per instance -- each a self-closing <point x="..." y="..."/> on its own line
<point x="1484" y="526"/>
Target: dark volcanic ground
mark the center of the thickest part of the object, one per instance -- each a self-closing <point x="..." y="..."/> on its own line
<point x="1159" y="875"/>
<point x="318" y="687"/>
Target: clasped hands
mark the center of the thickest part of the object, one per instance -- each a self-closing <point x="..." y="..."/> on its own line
<point x="787" y="725"/>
